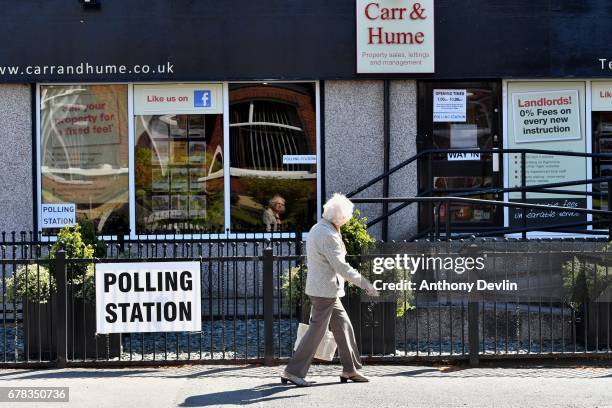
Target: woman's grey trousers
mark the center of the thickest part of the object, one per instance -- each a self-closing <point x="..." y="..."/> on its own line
<point x="324" y="312"/>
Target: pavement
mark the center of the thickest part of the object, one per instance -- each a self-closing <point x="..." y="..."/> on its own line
<point x="531" y="385"/>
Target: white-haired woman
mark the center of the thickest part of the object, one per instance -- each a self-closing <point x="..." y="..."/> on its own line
<point x="327" y="271"/>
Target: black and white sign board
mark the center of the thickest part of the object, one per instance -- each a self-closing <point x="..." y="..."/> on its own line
<point x="148" y="297"/>
<point x="449" y="105"/>
<point x="58" y="215"/>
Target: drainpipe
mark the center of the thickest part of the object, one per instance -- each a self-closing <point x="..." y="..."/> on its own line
<point x="386" y="160"/>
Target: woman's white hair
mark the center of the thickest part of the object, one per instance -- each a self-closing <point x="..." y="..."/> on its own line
<point x="338" y="209"/>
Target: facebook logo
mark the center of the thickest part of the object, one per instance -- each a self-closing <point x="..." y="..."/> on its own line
<point x="202" y="98"/>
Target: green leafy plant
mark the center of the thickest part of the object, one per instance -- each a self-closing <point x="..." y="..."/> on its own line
<point x="88" y="234"/>
<point x="356" y="238"/>
<point x="80" y="275"/>
<point x="32" y="282"/>
<point x="36" y="282"/>
<point x="294" y="284"/>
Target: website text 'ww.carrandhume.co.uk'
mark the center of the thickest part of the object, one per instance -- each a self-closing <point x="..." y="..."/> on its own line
<point x="457" y="264"/>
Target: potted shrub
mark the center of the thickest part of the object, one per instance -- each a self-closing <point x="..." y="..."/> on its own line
<point x="588" y="281"/>
<point x="35" y="286"/>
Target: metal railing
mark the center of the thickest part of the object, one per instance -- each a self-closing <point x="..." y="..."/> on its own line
<point x="252" y="302"/>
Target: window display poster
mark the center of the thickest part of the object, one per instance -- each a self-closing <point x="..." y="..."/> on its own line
<point x="159" y="180"/>
<point x="547" y="116"/>
<point x="197" y="206"/>
<point x="179" y="152"/>
<point x="82" y="117"/>
<point x="197" y="152"/>
<point x="178" y="205"/>
<point x="179" y="179"/>
<point x="196" y="179"/>
<point x="449" y="105"/>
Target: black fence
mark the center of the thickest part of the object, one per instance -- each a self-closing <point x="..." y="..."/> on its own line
<point x="252" y="303"/>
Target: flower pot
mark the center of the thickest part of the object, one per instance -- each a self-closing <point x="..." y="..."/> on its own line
<point x="374" y="324"/>
<point x="594" y="326"/>
<point x="40" y="321"/>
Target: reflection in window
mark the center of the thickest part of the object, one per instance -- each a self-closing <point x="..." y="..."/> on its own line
<point x="268" y="124"/>
<point x="84" y="152"/>
<point x="466" y="213"/>
<point x="179" y="173"/>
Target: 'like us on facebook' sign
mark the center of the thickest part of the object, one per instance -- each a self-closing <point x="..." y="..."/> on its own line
<point x="202" y="98"/>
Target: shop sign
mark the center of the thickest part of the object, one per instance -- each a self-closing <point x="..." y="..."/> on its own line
<point x="601" y="96"/>
<point x="141" y="297"/>
<point x="546" y="116"/>
<point x="395" y="36"/>
<point x="58" y="215"/>
<point x="449" y="105"/>
<point x="163" y="99"/>
<point x="463" y="156"/>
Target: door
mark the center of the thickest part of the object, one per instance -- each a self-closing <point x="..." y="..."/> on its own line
<point x="460" y="116"/>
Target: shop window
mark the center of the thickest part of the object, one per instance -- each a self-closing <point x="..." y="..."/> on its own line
<point x="179" y="173"/>
<point x="84" y="153"/>
<point x="272" y="152"/>
<point x="176" y="138"/>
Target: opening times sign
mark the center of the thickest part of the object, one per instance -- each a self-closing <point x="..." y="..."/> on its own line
<point x="395" y="36"/>
<point x="148" y="297"/>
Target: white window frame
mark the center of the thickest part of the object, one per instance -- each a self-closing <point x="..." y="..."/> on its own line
<point x="226" y="164"/>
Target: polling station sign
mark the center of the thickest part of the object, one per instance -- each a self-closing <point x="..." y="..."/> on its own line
<point x="148" y="297"/>
<point x="57" y="215"/>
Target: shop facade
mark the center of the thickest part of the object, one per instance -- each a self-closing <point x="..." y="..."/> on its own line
<point x="157" y="118"/>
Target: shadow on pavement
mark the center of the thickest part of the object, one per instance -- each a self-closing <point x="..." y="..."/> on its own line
<point x="106" y="373"/>
<point x="412" y="373"/>
<point x="262" y="393"/>
<point x="242" y="397"/>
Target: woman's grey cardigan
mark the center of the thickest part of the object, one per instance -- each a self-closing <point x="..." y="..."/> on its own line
<point x="327" y="267"/>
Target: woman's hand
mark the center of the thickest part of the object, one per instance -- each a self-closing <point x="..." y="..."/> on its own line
<point x="372" y="291"/>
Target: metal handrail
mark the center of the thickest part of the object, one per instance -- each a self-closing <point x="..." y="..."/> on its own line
<point x="464" y="193"/>
<point x="490" y="151"/>
<point x="451" y="199"/>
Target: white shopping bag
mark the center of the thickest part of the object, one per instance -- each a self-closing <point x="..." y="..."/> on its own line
<point x="327" y="347"/>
